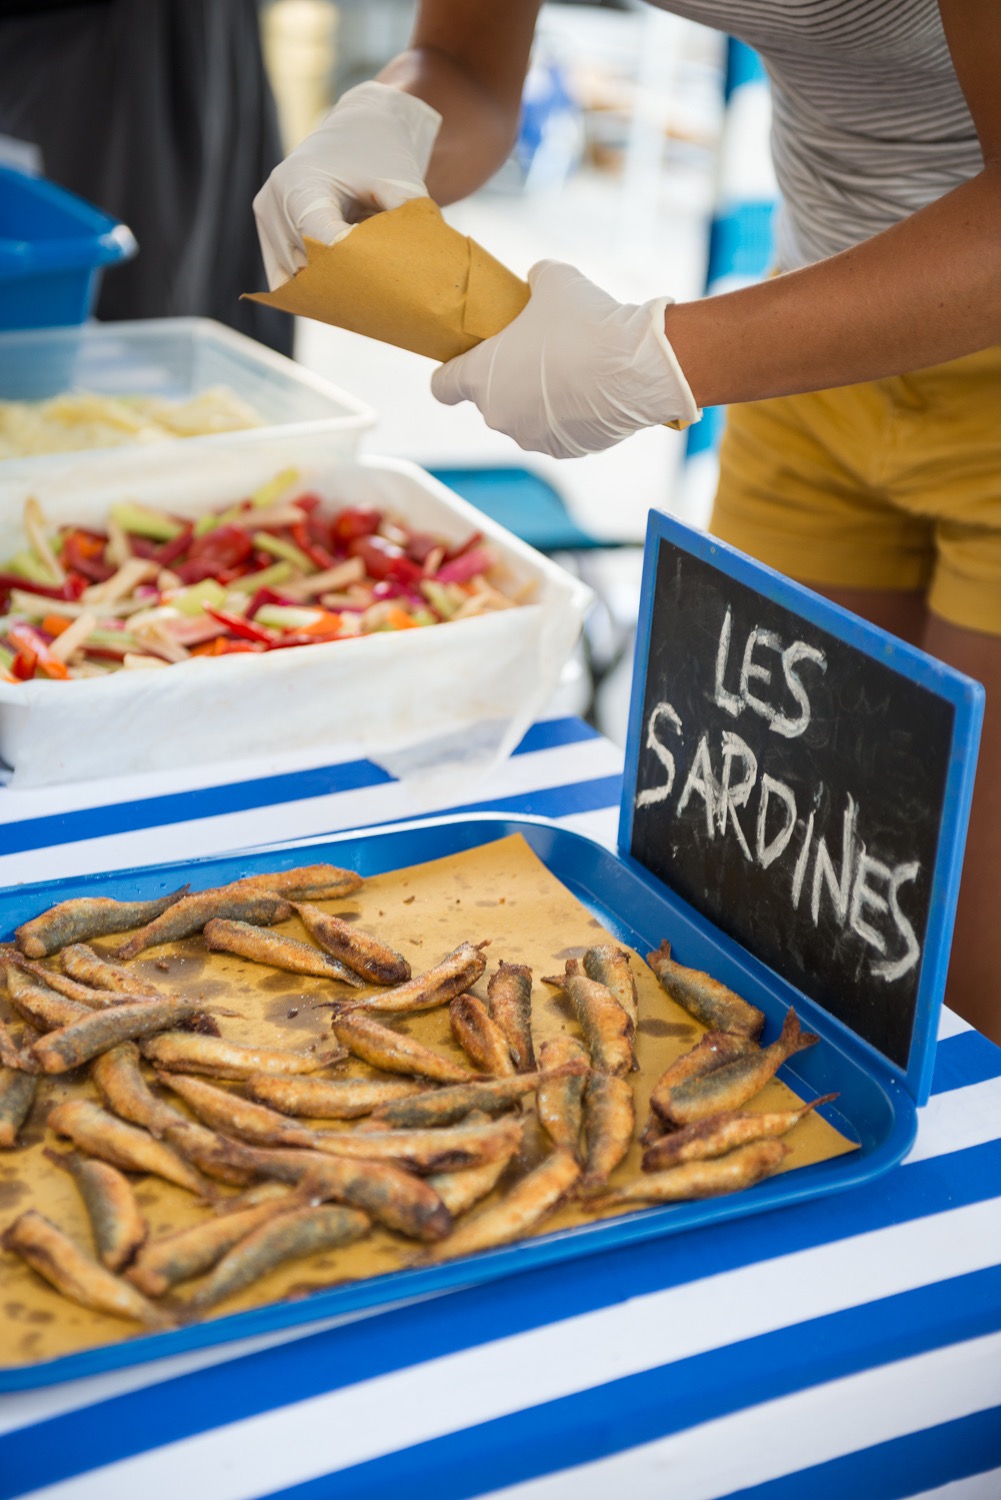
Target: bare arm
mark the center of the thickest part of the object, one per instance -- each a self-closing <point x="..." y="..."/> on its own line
<point x="924" y="291"/>
<point x="468" y="58"/>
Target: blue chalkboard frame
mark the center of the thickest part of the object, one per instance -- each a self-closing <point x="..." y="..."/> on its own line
<point x="964" y="694"/>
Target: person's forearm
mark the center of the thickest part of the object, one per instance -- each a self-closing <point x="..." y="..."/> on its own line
<point x="925" y="291"/>
<point x="468" y="60"/>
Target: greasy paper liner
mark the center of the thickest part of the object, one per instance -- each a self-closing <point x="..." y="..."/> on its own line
<point x="501" y="892"/>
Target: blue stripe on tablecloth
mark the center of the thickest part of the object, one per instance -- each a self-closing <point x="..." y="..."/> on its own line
<point x="136" y="1421"/>
<point x="910" y="1465"/>
<point x="963" y="1059"/>
<point x="637" y="1409"/>
<point x="243" y="796"/>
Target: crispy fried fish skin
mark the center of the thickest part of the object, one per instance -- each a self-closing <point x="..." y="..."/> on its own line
<point x="392" y="1196"/>
<point x="704" y="997"/>
<point x="72" y="989"/>
<point x="452" y="976"/>
<point x="560" y="1099"/>
<point x="446" y="1105"/>
<point x="328" y="1098"/>
<point x="11" y="1055"/>
<point x="435" y="1150"/>
<point x="702" y="1179"/>
<point x="115" y="1217"/>
<point x="307" y="883"/>
<point x="459" y="1191"/>
<point x="88" y="917"/>
<point x="609" y="1122"/>
<point x="610" y="966"/>
<point x="479" y="1037"/>
<point x="734" y="1083"/>
<point x="184" y="1052"/>
<point x="393" y="1053"/>
<point x="17" y="1095"/>
<point x="510" y="995"/>
<point x="102" y="1135"/>
<point x="176" y="1257"/>
<point x="365" y="954"/>
<point x="190" y="914"/>
<point x="287" y="1236"/>
<point x="275" y="949"/>
<point x="37" y="1003"/>
<point x="54" y="1255"/>
<point x="95" y="1033"/>
<point x="711" y="1051"/>
<point x="216" y="1155"/>
<point x="234" y="1115"/>
<point x="86" y="966"/>
<point x="718" y="1134"/>
<point x="519" y="1210"/>
<point x="126" y="1092"/>
<point x="607" y="1027"/>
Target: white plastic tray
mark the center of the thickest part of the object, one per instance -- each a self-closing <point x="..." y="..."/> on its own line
<point x="176" y="358"/>
<point x="458" y="695"/>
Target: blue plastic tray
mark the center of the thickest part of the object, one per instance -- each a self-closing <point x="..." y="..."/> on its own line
<point x="53" y="247"/>
<point x="872" y="1106"/>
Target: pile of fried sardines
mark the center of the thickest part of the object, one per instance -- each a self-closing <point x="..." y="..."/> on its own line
<point x="434" y="1137"/>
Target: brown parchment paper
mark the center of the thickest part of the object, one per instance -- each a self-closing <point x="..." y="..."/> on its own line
<point x="501" y="892"/>
<point x="407" y="278"/>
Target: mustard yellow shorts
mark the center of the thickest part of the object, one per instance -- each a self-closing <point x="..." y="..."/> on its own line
<point x="894" y="484"/>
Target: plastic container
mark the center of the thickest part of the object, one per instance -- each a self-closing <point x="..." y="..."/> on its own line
<point x="176" y="358"/>
<point x="53" y="247"/>
<point x="451" y="699"/>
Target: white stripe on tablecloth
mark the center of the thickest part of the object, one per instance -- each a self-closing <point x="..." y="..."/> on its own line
<point x="790" y="1434"/>
<point x="958" y="1119"/>
<point x="586" y="760"/>
<point x="951" y="1025"/>
<point x="939" y="1131"/>
<point x="976" y="1487"/>
<point x="327" y="1433"/>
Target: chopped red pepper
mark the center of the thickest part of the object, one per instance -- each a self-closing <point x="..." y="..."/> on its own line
<point x="223" y="646"/>
<point x="215" y="553"/>
<point x="314" y="550"/>
<point x="29" y="641"/>
<point x="354" y="522"/>
<point x="244" y="629"/>
<point x="83" y="552"/>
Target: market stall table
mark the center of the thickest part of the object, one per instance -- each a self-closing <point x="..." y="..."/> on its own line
<point x="847" y="1345"/>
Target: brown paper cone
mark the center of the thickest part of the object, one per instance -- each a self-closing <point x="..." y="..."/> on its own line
<point x="407" y="278"/>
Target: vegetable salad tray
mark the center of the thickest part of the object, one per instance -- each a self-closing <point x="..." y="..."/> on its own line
<point x="205" y="579"/>
<point x="509" y="896"/>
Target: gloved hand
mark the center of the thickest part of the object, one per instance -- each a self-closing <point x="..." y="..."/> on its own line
<point x="575" y="371"/>
<point x="370" y="153"/>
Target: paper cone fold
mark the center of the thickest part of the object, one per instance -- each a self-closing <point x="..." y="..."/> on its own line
<point x="407" y="278"/>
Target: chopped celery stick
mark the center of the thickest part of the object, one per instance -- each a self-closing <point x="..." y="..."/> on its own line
<point x="6" y="659"/>
<point x="287" y="550"/>
<point x="267" y="578"/>
<point x="439" y="598"/>
<point x="223" y="518"/>
<point x="143" y="522"/>
<point x="100" y="637"/>
<point x="286" y="617"/>
<point x="199" y="596"/>
<point x="26" y="565"/>
<point x="423" y="617"/>
<point x="275" y="488"/>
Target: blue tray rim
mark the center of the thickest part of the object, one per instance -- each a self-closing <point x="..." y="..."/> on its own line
<point x="382" y="1292"/>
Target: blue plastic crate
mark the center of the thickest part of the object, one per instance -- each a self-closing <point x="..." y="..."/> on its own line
<point x="53" y="247"/>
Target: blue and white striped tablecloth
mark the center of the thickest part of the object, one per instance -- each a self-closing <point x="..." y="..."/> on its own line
<point x="840" y="1348"/>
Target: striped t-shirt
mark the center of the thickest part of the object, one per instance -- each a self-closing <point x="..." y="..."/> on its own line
<point x="868" y="119"/>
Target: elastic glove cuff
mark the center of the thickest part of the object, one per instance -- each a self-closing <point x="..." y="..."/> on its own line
<point x="684" y="408"/>
<point x="420" y="119"/>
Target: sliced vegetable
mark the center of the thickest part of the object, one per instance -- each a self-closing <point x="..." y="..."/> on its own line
<point x="154" y="524"/>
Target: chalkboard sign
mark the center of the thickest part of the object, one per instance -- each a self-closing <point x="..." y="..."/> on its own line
<point x="803" y="780"/>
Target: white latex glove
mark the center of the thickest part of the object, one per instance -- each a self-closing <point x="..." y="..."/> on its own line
<point x="575" y="371"/>
<point x="370" y="153"/>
